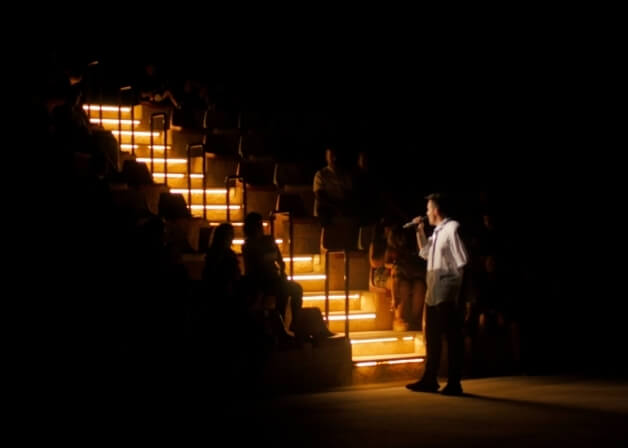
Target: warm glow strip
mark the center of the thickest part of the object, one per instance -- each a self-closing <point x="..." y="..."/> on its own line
<point x="287" y="259"/>
<point x="403" y="361"/>
<point x="199" y="191"/>
<point x="239" y="241"/>
<point x="114" y="121"/>
<point x="136" y="133"/>
<point x="308" y="276"/>
<point x="196" y="176"/>
<point x="366" y="364"/>
<point x="172" y="175"/>
<point x="391" y="362"/>
<point x="97" y="107"/>
<point x="155" y="147"/>
<point x="162" y="160"/>
<point x="354" y="317"/>
<point x="215" y="207"/>
<point x="234" y="224"/>
<point x="331" y="297"/>
<point x="367" y="341"/>
<point x="408" y="338"/>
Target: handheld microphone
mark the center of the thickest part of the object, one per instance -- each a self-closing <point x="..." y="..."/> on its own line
<point x="414" y="223"/>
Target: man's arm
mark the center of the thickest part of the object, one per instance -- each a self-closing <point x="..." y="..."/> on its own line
<point x="282" y="264"/>
<point x="421" y="239"/>
<point x="458" y="249"/>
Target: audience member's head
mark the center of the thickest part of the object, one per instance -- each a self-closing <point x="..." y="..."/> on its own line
<point x="223" y="236"/>
<point x="253" y="225"/>
<point x="331" y="157"/>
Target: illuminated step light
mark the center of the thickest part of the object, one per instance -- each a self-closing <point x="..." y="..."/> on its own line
<point x="408" y="338"/>
<point x="368" y="341"/>
<point x="287" y="259"/>
<point x="240" y="241"/>
<point x="215" y="207"/>
<point x="97" y="107"/>
<point x="366" y="364"/>
<point x="162" y="160"/>
<point x="170" y="175"/>
<point x="136" y="133"/>
<point x="220" y="191"/>
<point x="234" y="224"/>
<point x="354" y="316"/>
<point x="176" y="175"/>
<point x="403" y="361"/>
<point x="331" y="297"/>
<point x="307" y="276"/>
<point x="391" y="362"/>
<point x="114" y="121"/>
<point x="155" y="147"/>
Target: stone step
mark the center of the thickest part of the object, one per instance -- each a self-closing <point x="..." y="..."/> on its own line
<point x="336" y="300"/>
<point x="358" y="321"/>
<point x="371" y="345"/>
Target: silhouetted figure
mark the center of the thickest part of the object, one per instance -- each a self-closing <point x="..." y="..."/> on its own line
<point x="332" y="191"/>
<point x="366" y="191"/>
<point x="193" y="105"/>
<point x="222" y="271"/>
<point x="377" y="255"/>
<point x="408" y="280"/>
<point x="153" y="89"/>
<point x="266" y="271"/>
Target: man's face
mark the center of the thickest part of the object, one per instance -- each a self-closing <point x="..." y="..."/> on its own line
<point x="330" y="157"/>
<point x="432" y="212"/>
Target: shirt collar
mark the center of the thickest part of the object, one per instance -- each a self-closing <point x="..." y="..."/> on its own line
<point x="439" y="227"/>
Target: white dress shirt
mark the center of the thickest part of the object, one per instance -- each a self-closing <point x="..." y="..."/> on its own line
<point x="446" y="256"/>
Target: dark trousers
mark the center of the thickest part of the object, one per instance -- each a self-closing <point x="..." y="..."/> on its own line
<point x="444" y="318"/>
<point x="293" y="290"/>
<point x="282" y="288"/>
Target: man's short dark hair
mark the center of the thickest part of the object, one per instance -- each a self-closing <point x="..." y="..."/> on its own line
<point x="441" y="201"/>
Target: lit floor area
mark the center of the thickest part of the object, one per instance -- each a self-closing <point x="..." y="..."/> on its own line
<point x="496" y="412"/>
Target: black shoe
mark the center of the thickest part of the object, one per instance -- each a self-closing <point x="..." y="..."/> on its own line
<point x="452" y="389"/>
<point x="423" y="386"/>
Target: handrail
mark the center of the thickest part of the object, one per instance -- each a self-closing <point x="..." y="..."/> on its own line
<point x="120" y="118"/>
<point x="133" y="131"/>
<point x="90" y="84"/>
<point x="345" y="252"/>
<point x="164" y="116"/>
<point x="126" y="89"/>
<point x="100" y="90"/>
<point x="290" y="235"/>
<point x="204" y="184"/>
<point x="189" y="148"/>
<point x="227" y="179"/>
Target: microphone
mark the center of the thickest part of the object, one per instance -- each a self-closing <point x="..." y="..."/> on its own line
<point x="414" y="223"/>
